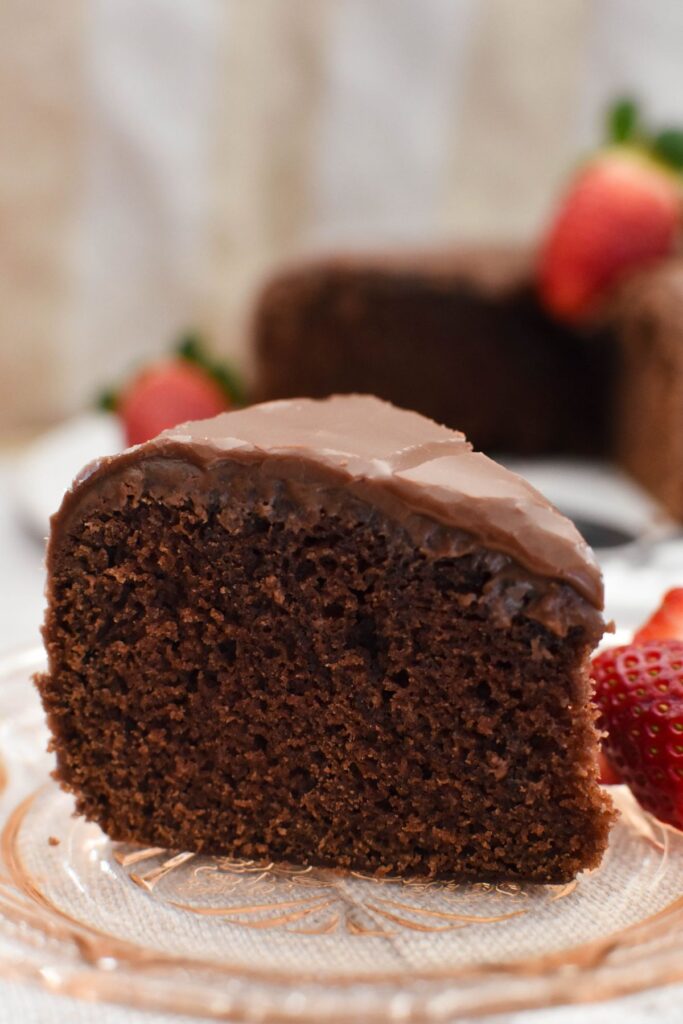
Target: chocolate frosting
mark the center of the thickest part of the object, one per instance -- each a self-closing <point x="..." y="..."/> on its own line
<point x="404" y="462"/>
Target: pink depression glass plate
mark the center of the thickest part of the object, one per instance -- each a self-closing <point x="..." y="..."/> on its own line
<point x="173" y="931"/>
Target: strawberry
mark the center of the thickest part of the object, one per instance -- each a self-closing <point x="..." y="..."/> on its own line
<point x="622" y="211"/>
<point x="166" y="394"/>
<point x="639" y="694"/>
<point x="667" y="622"/>
<point x="187" y="386"/>
<point x="608" y="776"/>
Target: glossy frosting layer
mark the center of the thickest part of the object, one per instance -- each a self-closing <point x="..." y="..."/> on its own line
<point x="408" y="463"/>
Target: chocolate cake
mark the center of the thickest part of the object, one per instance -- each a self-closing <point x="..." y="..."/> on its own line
<point x="330" y="633"/>
<point x="649" y="409"/>
<point x="460" y="336"/>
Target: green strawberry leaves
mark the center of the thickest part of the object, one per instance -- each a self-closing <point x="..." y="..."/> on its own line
<point x="191" y="348"/>
<point x="668" y="146"/>
<point x="107" y="400"/>
<point x="622" y="121"/>
<point x="625" y="127"/>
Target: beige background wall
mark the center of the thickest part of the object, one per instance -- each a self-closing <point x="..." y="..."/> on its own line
<point x="157" y="156"/>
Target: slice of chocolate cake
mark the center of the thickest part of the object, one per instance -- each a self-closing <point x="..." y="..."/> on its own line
<point x="329" y="633"/>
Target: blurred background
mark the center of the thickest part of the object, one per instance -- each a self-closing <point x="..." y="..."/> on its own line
<point x="159" y="156"/>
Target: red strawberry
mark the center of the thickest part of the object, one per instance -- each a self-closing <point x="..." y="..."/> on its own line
<point x="639" y="693"/>
<point x="667" y="622"/>
<point x="166" y="394"/>
<point x="622" y="211"/>
<point x="608" y="776"/>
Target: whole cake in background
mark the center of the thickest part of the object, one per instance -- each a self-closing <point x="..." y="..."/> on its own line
<point x="459" y="336"/>
<point x="332" y="633"/>
<point x="576" y="349"/>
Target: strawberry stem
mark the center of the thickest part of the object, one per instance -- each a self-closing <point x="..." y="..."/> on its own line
<point x="622" y="121"/>
<point x="625" y="128"/>
<point x="668" y="146"/>
<point x="107" y="400"/>
<point x="191" y="348"/>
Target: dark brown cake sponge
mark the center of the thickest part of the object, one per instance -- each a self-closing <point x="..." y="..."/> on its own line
<point x="303" y="632"/>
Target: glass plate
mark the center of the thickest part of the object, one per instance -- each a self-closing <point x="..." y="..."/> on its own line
<point x="218" y="938"/>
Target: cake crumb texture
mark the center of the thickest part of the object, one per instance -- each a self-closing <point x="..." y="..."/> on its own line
<point x="234" y="673"/>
